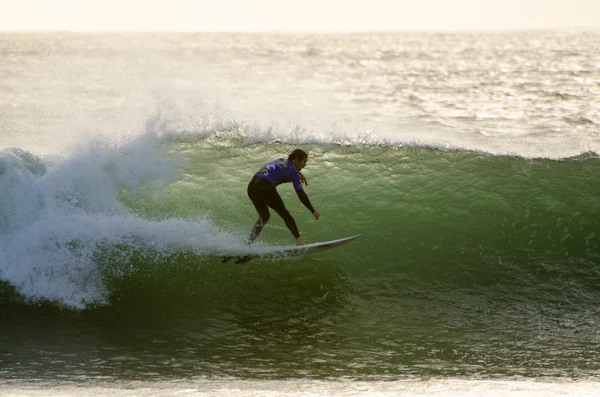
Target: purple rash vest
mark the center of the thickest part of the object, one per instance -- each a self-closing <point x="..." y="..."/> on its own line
<point x="280" y="171"/>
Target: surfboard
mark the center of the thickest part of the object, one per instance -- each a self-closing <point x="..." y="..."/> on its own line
<point x="294" y="250"/>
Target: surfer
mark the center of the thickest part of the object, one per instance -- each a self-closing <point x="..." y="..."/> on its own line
<point x="263" y="193"/>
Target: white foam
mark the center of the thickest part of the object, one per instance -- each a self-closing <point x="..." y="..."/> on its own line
<point x="207" y="388"/>
<point x="55" y="222"/>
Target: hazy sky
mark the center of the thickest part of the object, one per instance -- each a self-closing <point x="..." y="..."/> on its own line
<point x="296" y="15"/>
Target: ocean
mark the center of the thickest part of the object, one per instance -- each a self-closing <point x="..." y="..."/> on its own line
<point x="468" y="163"/>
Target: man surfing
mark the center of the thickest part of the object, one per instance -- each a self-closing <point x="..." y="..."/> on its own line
<point x="263" y="193"/>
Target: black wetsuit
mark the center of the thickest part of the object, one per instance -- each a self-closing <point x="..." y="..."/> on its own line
<point x="263" y="193"/>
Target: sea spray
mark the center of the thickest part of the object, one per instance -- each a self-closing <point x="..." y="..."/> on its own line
<point x="57" y="217"/>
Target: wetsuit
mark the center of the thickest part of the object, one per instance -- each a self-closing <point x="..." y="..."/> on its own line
<point x="263" y="193"/>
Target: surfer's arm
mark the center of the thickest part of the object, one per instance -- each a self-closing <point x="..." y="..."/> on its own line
<point x="304" y="199"/>
<point x="302" y="178"/>
<point x="297" y="178"/>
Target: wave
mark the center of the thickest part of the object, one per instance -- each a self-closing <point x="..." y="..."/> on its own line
<point x="73" y="229"/>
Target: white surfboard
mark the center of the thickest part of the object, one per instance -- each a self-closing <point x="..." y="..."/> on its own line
<point x="294" y="250"/>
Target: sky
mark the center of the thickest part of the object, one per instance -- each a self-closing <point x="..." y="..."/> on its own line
<point x="297" y="15"/>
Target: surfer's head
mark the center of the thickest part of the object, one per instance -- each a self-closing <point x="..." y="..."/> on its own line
<point x="299" y="158"/>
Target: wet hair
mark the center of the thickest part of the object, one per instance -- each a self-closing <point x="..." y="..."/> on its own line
<point x="298" y="154"/>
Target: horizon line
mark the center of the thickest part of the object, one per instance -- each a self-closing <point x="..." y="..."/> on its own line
<point x="305" y="32"/>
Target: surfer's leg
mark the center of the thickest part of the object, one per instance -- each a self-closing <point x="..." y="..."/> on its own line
<point x="258" y="199"/>
<point x="264" y="216"/>
<point x="258" y="227"/>
<point x="274" y="201"/>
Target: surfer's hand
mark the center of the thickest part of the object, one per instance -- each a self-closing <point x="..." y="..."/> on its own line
<point x="299" y="241"/>
<point x="317" y="215"/>
<point x="303" y="179"/>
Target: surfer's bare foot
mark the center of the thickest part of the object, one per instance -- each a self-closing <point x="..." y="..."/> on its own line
<point x="299" y="241"/>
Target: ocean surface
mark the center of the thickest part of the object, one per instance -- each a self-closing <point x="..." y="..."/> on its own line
<point x="468" y="162"/>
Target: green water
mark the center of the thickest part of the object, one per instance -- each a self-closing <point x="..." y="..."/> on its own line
<point x="468" y="264"/>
